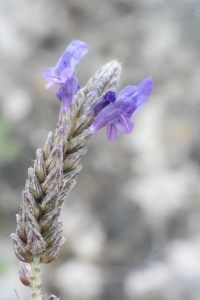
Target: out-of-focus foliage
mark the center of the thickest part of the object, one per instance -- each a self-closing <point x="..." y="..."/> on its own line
<point x="4" y="266"/>
<point x="10" y="147"/>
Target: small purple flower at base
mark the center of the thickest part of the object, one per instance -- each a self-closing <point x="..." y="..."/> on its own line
<point x="117" y="115"/>
<point x="64" y="73"/>
<point x="24" y="273"/>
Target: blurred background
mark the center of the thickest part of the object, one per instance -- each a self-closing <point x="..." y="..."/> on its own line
<point x="132" y="222"/>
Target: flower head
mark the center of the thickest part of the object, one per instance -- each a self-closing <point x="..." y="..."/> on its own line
<point x="117" y="114"/>
<point x="64" y="74"/>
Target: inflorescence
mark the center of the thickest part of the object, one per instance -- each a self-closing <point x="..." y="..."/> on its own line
<point x="84" y="111"/>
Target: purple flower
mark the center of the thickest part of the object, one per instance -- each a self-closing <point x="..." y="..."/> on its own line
<point x="117" y="115"/>
<point x="64" y="74"/>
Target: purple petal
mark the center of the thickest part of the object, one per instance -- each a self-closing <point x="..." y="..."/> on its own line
<point x="128" y="91"/>
<point x="77" y="49"/>
<point x="69" y="89"/>
<point x="147" y="86"/>
<point x="51" y="75"/>
<point x="59" y="94"/>
<point x="125" y="124"/>
<point x="49" y="85"/>
<point x="140" y="101"/>
<point x="66" y="74"/>
<point x="112" y="133"/>
<point x="110" y="96"/>
<point x="72" y="55"/>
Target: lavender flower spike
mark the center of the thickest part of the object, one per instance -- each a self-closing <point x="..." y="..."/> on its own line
<point x="64" y="73"/>
<point x="117" y="115"/>
<point x="38" y="234"/>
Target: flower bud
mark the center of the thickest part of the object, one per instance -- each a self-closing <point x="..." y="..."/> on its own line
<point x="72" y="160"/>
<point x="33" y="185"/>
<point x="55" y="159"/>
<point x="28" y="222"/>
<point x="52" y="252"/>
<point x="68" y="176"/>
<point x="65" y="190"/>
<point x="52" y="180"/>
<point x="50" y="218"/>
<point x="24" y="273"/>
<point x="29" y="204"/>
<point x="60" y="136"/>
<point x="21" y="251"/>
<point x="36" y="242"/>
<point x="48" y="146"/>
<point x="52" y="234"/>
<point x="50" y="200"/>
<point x="39" y="166"/>
<point x="78" y="142"/>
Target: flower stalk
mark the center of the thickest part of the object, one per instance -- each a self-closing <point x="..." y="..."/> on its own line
<point x="35" y="279"/>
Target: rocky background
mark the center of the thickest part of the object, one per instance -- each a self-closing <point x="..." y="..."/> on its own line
<point x="132" y="222"/>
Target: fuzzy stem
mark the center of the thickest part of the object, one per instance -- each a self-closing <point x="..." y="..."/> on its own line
<point x="35" y="279"/>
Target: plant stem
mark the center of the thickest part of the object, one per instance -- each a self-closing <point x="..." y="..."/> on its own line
<point x="35" y="279"/>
